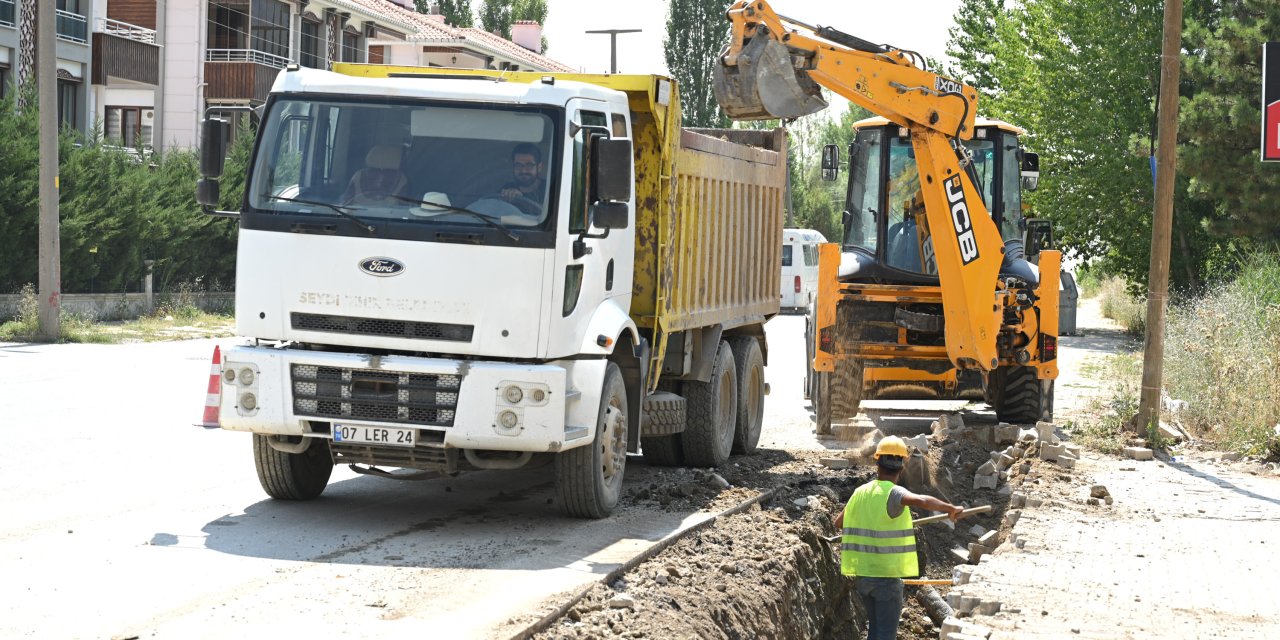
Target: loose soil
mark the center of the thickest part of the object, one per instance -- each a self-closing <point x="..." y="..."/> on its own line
<point x="768" y="572"/>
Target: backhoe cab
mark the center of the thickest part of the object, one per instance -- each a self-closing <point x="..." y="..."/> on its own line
<point x="931" y="288"/>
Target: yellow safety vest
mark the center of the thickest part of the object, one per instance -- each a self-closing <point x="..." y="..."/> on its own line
<point x="875" y="545"/>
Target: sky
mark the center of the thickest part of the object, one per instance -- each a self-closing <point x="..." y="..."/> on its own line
<point x="918" y="25"/>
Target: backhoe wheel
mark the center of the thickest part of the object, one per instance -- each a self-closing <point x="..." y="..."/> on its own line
<point x="712" y="410"/>
<point x="589" y="478"/>
<point x="750" y="374"/>
<point x="1022" y="398"/>
<point x="809" y="374"/>
<point x="822" y="402"/>
<point x="292" y="476"/>
<point x="846" y="389"/>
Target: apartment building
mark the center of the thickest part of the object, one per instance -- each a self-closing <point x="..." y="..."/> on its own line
<point x="72" y="49"/>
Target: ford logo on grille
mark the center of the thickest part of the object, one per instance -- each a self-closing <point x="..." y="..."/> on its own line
<point x="382" y="267"/>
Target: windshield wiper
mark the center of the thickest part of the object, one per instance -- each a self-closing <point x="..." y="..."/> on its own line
<point x="479" y="216"/>
<point x="335" y="208"/>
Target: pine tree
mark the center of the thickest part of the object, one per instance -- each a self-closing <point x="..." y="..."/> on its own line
<point x="495" y="17"/>
<point x="696" y="32"/>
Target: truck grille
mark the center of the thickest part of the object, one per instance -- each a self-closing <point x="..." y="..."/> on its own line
<point x="382" y="327"/>
<point x="379" y="396"/>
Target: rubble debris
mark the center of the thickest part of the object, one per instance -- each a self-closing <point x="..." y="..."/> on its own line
<point x="1006" y="433"/>
<point x="920" y="442"/>
<point x="1098" y="491"/>
<point x="1170" y="432"/>
<point x="1046" y="432"/>
<point x="1139" y="453"/>
<point x="836" y="463"/>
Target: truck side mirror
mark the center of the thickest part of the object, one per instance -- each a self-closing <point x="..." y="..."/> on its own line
<point x="213" y="147"/>
<point x="610" y="215"/>
<point x="830" y="162"/>
<point x="208" y="192"/>
<point x="1039" y="237"/>
<point x="1030" y="171"/>
<point x="611" y="164"/>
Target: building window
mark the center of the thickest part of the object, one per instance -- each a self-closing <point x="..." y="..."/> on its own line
<point x="311" y="52"/>
<point x="350" y="46"/>
<point x="67" y="103"/>
<point x="4" y="82"/>
<point x="269" y="27"/>
<point x="129" y="126"/>
<point x="260" y="26"/>
<point x="228" y="25"/>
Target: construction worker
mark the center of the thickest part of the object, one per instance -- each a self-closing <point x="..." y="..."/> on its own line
<point x="879" y="544"/>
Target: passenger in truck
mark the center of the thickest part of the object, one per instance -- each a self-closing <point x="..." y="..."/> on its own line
<point x="381" y="182"/>
<point x="527" y="189"/>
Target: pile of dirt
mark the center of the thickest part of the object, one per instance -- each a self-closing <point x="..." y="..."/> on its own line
<point x="768" y="572"/>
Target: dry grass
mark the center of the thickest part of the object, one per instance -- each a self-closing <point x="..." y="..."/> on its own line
<point x="176" y="319"/>
<point x="1102" y="426"/>
<point x="1118" y="304"/>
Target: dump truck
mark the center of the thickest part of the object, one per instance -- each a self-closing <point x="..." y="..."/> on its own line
<point x="447" y="270"/>
<point x="933" y="282"/>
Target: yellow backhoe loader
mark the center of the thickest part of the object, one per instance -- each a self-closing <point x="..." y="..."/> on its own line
<point x="932" y="284"/>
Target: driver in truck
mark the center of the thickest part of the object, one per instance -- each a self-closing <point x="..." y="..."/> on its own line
<point x="528" y="186"/>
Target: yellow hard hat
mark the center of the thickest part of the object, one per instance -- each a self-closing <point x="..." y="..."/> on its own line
<point x="892" y="446"/>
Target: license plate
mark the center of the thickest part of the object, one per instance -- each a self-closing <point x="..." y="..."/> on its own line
<point x="359" y="434"/>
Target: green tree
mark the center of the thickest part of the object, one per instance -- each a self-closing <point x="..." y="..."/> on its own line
<point x="973" y="42"/>
<point x="457" y="13"/>
<point x="19" y="195"/>
<point x="495" y="17"/>
<point x="696" y="32"/>
<point x="1220" y="123"/>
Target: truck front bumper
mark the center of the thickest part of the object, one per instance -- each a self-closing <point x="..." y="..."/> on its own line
<point x="453" y="403"/>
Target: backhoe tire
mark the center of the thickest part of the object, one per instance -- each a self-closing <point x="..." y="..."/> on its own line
<point x="822" y="403"/>
<point x="750" y="373"/>
<point x="1022" y="398"/>
<point x="712" y="410"/>
<point x="292" y="476"/>
<point x="589" y="478"/>
<point x="846" y="389"/>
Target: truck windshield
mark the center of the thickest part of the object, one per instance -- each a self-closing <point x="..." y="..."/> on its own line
<point x="391" y="162"/>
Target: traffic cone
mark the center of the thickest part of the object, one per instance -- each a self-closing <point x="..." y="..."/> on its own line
<point x="213" y="400"/>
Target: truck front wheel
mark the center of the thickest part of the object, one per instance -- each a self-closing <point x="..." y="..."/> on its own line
<point x="712" y="409"/>
<point x="589" y="479"/>
<point x="292" y="476"/>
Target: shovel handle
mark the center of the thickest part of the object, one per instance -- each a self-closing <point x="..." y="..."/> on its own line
<point x="938" y="518"/>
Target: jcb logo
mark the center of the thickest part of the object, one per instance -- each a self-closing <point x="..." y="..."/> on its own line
<point x="960" y="219"/>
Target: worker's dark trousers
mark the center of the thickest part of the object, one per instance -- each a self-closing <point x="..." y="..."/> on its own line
<point x="882" y="598"/>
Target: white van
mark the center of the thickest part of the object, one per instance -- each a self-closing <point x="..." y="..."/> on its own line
<point x="799" y="267"/>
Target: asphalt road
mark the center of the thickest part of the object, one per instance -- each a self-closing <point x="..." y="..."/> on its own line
<point x="121" y="519"/>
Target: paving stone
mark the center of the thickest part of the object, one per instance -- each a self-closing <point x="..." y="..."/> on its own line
<point x="1011" y="517"/>
<point x="990" y="539"/>
<point x="988" y="468"/>
<point x="1051" y="451"/>
<point x="1006" y="433"/>
<point x="950" y="625"/>
<point x="1027" y="435"/>
<point x="836" y="463"/>
<point x="1074" y="449"/>
<point x="1034" y="502"/>
<point x="1017" y="501"/>
<point x="984" y="482"/>
<point x="976" y="551"/>
<point x="1004" y="462"/>
<point x="1139" y="453"/>
<point x="1004" y="490"/>
<point x="1046" y="431"/>
<point x="920" y="441"/>
<point x="987" y="608"/>
<point x="1067" y="462"/>
<point x="961" y="574"/>
<point x="977" y="530"/>
<point x="1017" y="452"/>
<point x="1170" y="432"/>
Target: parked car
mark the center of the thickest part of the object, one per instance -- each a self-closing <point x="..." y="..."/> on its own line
<point x="799" y="267"/>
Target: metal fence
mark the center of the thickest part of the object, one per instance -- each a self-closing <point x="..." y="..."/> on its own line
<point x="246" y="55"/>
<point x="7" y="13"/>
<point x="126" y="30"/>
<point x="73" y="27"/>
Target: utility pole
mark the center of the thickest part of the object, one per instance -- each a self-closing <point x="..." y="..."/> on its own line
<point x="50" y="245"/>
<point x="613" y="45"/>
<point x="1162" y="223"/>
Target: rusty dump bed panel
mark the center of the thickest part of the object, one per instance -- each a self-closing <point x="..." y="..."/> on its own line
<point x="726" y="242"/>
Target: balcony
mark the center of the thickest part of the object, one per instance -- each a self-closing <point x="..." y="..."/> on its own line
<point x="125" y="51"/>
<point x="72" y="27"/>
<point x="8" y="13"/>
<point x="240" y="74"/>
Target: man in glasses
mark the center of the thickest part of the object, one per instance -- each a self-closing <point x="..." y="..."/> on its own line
<point x="528" y="188"/>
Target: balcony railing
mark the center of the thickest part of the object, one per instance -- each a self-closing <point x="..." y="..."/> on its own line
<point x="246" y="55"/>
<point x="73" y="27"/>
<point x="7" y="13"/>
<point x="125" y="30"/>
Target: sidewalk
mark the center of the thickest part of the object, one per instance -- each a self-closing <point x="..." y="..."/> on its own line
<point x="1187" y="550"/>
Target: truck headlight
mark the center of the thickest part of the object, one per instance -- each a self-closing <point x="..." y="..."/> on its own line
<point x="513" y="394"/>
<point x="246" y="376"/>
<point x="508" y="419"/>
<point x="248" y="402"/>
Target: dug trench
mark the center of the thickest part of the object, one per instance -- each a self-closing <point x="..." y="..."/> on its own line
<point x="767" y="571"/>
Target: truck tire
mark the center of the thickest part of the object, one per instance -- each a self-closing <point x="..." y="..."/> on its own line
<point x="822" y="403"/>
<point x="712" y="408"/>
<point x="589" y="478"/>
<point x="750" y="374"/>
<point x="1022" y="398"/>
<point x="662" y="451"/>
<point x="292" y="476"/>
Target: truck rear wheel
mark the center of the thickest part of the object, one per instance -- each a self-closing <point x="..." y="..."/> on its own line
<point x="292" y="476"/>
<point x="1020" y="397"/>
<point x="750" y="374"/>
<point x="589" y="478"/>
<point x="712" y="409"/>
<point x="662" y="451"/>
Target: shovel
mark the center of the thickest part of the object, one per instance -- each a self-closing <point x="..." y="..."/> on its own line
<point x="931" y="519"/>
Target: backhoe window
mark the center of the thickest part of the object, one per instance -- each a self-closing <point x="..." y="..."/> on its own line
<point x="1011" y="190"/>
<point x="906" y="212"/>
<point x="864" y="190"/>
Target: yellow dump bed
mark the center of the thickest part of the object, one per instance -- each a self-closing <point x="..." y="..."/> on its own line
<point x="709" y="207"/>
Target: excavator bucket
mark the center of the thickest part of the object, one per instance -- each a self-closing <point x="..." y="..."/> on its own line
<point x="764" y="84"/>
